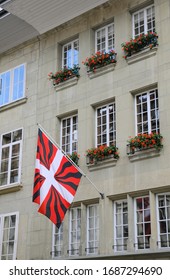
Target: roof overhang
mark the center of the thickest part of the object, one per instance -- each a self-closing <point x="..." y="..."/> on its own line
<point x="27" y="19"/>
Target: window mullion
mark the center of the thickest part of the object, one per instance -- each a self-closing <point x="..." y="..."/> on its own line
<point x="9" y="164"/>
<point x="149" y="113"/>
<point x="145" y="20"/>
<point x="11" y="85"/>
<point x="106" y="39"/>
<point x="72" y="53"/>
<point x="107" y="126"/>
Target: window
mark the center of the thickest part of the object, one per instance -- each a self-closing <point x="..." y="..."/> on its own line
<point x="3" y="12"/>
<point x="12" y="85"/>
<point x="147" y="112"/>
<point x="75" y="231"/>
<point x="120" y="225"/>
<point x="106" y="125"/>
<point x="10" y="157"/>
<point x="8" y="236"/>
<point x="164" y="220"/>
<point x="71" y="54"/>
<point x="143" y="21"/>
<point x="92" y="229"/>
<point x="69" y="134"/>
<point x="143" y="223"/>
<point x="57" y="241"/>
<point x="105" y="38"/>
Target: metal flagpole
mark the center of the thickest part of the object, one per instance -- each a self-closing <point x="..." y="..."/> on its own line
<point x="69" y="159"/>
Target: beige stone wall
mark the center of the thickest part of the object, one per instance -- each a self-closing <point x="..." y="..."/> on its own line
<point x="45" y="106"/>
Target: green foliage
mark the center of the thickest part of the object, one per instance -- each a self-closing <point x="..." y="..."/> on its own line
<point x="64" y="74"/>
<point x="135" y="45"/>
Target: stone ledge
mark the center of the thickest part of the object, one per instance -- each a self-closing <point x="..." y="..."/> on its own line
<point x="145" y="154"/>
<point x="10" y="188"/>
<point x="13" y="104"/>
<point x="146" y="53"/>
<point x="102" y="70"/>
<point x="102" y="164"/>
<point x="69" y="83"/>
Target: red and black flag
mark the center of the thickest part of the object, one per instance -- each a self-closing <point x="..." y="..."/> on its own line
<point x="55" y="182"/>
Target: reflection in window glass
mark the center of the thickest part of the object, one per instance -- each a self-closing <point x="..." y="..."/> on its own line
<point x="143" y="223"/>
<point x="164" y="219"/>
<point x="121" y="225"/>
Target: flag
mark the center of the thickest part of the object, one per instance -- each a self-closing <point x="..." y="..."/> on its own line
<point x="56" y="180"/>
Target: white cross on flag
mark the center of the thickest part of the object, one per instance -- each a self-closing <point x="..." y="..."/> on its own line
<point x="56" y="180"/>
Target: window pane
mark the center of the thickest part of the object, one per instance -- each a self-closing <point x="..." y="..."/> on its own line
<point x="143" y="222"/>
<point x="71" y="54"/>
<point x="70" y="134"/>
<point x="164" y="220"/>
<point x="106" y="125"/>
<point x="5" y="88"/>
<point x="10" y="157"/>
<point x="144" y="21"/>
<point x="147" y="112"/>
<point x="105" y="38"/>
<point x="93" y="229"/>
<point x="121" y="225"/>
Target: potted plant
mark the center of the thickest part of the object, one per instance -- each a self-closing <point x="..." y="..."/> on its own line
<point x="99" y="59"/>
<point x="74" y="157"/>
<point x="63" y="75"/>
<point x="101" y="153"/>
<point x="148" y="40"/>
<point x="145" y="141"/>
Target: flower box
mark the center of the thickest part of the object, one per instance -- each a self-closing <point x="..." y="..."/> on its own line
<point x="103" y="155"/>
<point x="101" y="71"/>
<point x="64" y="75"/>
<point x="136" y="45"/>
<point x="144" y="154"/>
<point x="99" y="60"/>
<point x="108" y="161"/>
<point x="143" y="54"/>
<point x="145" y="144"/>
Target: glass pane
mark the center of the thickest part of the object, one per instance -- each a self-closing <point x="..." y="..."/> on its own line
<point x="17" y="135"/>
<point x="6" y="139"/>
<point x="163" y="227"/>
<point x="5" y="153"/>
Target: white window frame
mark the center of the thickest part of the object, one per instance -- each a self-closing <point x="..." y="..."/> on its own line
<point x="136" y="234"/>
<point x="11" y="85"/>
<point x="73" y="134"/>
<point x="93" y="250"/>
<point x="59" y="245"/>
<point x="108" y="141"/>
<point x="158" y="223"/>
<point x="157" y="120"/>
<point x="117" y="248"/>
<point x="73" y="62"/>
<point x="144" y="10"/>
<point x="2" y="216"/>
<point x="74" y="247"/>
<point x="10" y="145"/>
<point x="107" y="48"/>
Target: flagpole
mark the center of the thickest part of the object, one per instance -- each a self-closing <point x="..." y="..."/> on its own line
<point x="69" y="159"/>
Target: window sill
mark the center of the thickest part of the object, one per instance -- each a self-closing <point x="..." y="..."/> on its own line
<point x="10" y="188"/>
<point x="69" y="83"/>
<point x="145" y="53"/>
<point x="13" y="104"/>
<point x="105" y="163"/>
<point x="102" y="70"/>
<point x="145" y="154"/>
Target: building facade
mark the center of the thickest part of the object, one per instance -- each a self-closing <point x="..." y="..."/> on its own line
<point x="108" y="105"/>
